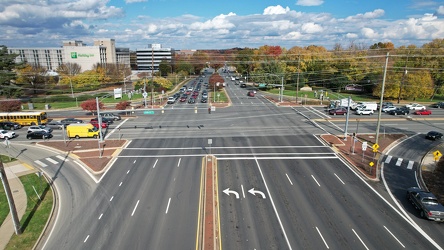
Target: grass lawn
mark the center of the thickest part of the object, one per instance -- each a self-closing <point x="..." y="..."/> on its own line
<point x="37" y="212"/>
<point x="4" y="206"/>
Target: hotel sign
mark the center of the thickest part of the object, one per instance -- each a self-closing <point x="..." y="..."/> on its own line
<point x="75" y="55"/>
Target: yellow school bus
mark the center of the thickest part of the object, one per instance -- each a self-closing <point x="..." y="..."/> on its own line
<point x="25" y="118"/>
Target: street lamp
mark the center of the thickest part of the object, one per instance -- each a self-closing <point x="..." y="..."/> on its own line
<point x="281" y="92"/>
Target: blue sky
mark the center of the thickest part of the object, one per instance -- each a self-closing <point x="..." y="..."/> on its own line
<point x="221" y="24"/>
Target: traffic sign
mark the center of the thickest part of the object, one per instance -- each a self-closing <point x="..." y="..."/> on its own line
<point x="371" y="164"/>
<point x="375" y="147"/>
<point x="148" y="112"/>
<point x="437" y="153"/>
<point x="364" y="146"/>
<point x="144" y="94"/>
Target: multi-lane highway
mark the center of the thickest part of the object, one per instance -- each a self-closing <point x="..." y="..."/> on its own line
<point x="279" y="186"/>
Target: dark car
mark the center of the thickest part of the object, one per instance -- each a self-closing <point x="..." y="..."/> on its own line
<point x="433" y="135"/>
<point x="7" y="125"/>
<point x="203" y="100"/>
<point x="176" y="96"/>
<point x="427" y="204"/>
<point x="400" y="111"/>
<point x="68" y="121"/>
<point x="192" y="100"/>
<point x="38" y="135"/>
<point x="56" y="125"/>
<point x="111" y="116"/>
<point x="437" y="105"/>
<point x="338" y="111"/>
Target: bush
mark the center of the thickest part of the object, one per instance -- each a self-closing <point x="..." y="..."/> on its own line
<point x="10" y="106"/>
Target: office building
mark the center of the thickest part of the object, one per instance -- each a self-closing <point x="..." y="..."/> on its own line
<point x="149" y="59"/>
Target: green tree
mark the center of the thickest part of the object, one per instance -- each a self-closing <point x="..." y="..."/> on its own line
<point x="34" y="76"/>
<point x="7" y="74"/>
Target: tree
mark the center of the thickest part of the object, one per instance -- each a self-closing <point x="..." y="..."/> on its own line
<point x="10" y="106"/>
<point x="34" y="75"/>
<point x="7" y="74"/>
<point x="91" y="105"/>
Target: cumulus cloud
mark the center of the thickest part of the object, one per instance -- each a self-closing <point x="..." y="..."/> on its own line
<point x="312" y="28"/>
<point x="367" y="15"/>
<point x="220" y="21"/>
<point x="369" y="33"/>
<point x="440" y="11"/>
<point x="276" y="10"/>
<point x="309" y="2"/>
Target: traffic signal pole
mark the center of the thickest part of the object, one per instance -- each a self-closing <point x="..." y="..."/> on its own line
<point x="12" y="207"/>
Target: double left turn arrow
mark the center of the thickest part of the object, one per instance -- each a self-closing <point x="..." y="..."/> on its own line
<point x="251" y="191"/>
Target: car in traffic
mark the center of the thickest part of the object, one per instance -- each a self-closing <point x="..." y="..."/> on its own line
<point x="7" y="125"/>
<point x="105" y="120"/>
<point x="204" y="100"/>
<point x="191" y="100"/>
<point x="171" y="100"/>
<point x="38" y="135"/>
<point x="338" y="111"/>
<point x="438" y="105"/>
<point x="400" y="111"/>
<point x="364" y="111"/>
<point x="56" y="124"/>
<point x="388" y="108"/>
<point x="6" y="135"/>
<point x="95" y="123"/>
<point x="427" y="204"/>
<point x="183" y="98"/>
<point x="251" y="93"/>
<point x="111" y="116"/>
<point x="423" y="112"/>
<point x="68" y="121"/>
<point x="39" y="128"/>
<point x="433" y="135"/>
<point x="415" y="106"/>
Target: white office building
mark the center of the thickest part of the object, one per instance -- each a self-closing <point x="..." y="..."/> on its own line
<point x="149" y="59"/>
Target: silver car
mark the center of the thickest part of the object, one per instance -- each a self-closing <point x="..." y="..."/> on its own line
<point x="39" y="128"/>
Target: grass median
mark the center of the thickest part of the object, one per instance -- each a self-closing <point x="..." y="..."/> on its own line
<point x="39" y="206"/>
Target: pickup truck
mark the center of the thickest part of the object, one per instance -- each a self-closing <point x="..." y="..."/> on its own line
<point x="426" y="203"/>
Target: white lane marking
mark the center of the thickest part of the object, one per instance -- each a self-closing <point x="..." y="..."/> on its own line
<point x="112" y="197"/>
<point x="315" y="180"/>
<point x="339" y="178"/>
<point x="243" y="193"/>
<point x="319" y="232"/>
<point x="289" y="179"/>
<point x="43" y="165"/>
<point x="388" y="159"/>
<point x="168" y="206"/>
<point x="394" y="237"/>
<point x="100" y="217"/>
<point x="120" y="183"/>
<point x="410" y="166"/>
<point x="398" y="162"/>
<point x="127" y="172"/>
<point x="134" y="210"/>
<point x="178" y="163"/>
<point x="134" y="161"/>
<point x="360" y="239"/>
<point x="155" y="163"/>
<point x="62" y="158"/>
<point x="86" y="238"/>
<point x="272" y="203"/>
<point x="51" y="160"/>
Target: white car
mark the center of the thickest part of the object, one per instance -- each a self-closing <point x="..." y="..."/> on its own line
<point x="39" y="128"/>
<point x="416" y="106"/>
<point x="388" y="108"/>
<point x="4" y="134"/>
<point x="364" y="111"/>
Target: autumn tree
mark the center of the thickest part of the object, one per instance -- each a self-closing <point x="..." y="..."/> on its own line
<point x="33" y="75"/>
<point x="10" y="105"/>
<point x="91" y="105"/>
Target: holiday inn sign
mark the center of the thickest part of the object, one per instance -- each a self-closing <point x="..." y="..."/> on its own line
<point x="75" y="55"/>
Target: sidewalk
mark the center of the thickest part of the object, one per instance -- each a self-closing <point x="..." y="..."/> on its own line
<point x="13" y="171"/>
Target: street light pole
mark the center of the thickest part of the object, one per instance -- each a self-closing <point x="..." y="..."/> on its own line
<point x="281" y="92"/>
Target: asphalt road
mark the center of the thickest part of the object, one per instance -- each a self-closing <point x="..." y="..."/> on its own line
<point x="149" y="198"/>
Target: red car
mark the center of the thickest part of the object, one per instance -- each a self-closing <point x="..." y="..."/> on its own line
<point x="96" y="124"/>
<point x="338" y="111"/>
<point x="423" y="112"/>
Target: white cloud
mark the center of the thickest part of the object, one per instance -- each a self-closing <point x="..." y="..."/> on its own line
<point x="367" y="15"/>
<point x="135" y="1"/>
<point x="369" y="33"/>
<point x="219" y="22"/>
<point x="351" y="35"/>
<point x="276" y="10"/>
<point x="309" y="2"/>
<point x="440" y="11"/>
<point x="311" y="28"/>
<point x="294" y="35"/>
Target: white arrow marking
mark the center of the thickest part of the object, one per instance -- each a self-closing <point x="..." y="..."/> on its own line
<point x="254" y="192"/>
<point x="228" y="191"/>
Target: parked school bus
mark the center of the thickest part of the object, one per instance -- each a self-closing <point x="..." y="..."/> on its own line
<point x="79" y="130"/>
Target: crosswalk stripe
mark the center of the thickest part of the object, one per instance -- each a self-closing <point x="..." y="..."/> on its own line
<point x="51" y="160"/>
<point x="388" y="159"/>
<point x="43" y="165"/>
<point x="410" y="166"/>
<point x="398" y="163"/>
<point x="62" y="158"/>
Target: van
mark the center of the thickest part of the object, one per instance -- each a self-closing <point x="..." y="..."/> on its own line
<point x="85" y="130"/>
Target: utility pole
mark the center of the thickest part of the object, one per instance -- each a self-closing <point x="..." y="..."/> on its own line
<point x="297" y="81"/>
<point x="152" y="75"/>
<point x="8" y="192"/>
<point x="402" y="79"/>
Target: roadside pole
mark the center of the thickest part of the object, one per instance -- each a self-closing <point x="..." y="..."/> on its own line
<point x="10" y="198"/>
